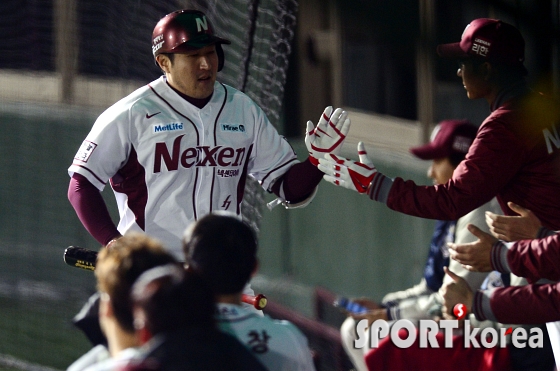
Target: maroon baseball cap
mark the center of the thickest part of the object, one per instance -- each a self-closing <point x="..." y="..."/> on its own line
<point x="489" y="39"/>
<point x="448" y="137"/>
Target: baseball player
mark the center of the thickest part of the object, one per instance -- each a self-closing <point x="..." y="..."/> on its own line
<point x="183" y="145"/>
<point x="515" y="156"/>
<point x="227" y="260"/>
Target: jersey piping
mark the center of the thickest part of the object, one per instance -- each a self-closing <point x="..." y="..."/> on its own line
<point x="242" y="180"/>
<point x="278" y="167"/>
<point x="215" y="144"/>
<point x="91" y="172"/>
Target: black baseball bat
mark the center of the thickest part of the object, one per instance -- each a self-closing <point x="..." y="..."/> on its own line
<point x="79" y="257"/>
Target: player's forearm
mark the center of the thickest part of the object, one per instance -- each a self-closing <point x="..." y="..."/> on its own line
<point x="298" y="182"/>
<point x="91" y="209"/>
<point x="444" y="202"/>
<point x="529" y="304"/>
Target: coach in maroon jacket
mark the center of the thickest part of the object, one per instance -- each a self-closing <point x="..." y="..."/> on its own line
<point x="514" y="157"/>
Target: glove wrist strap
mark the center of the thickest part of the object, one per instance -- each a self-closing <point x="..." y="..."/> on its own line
<point x="379" y="188"/>
<point x="313" y="160"/>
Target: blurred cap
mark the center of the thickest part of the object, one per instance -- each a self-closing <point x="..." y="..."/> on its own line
<point x="489" y="39"/>
<point x="448" y="137"/>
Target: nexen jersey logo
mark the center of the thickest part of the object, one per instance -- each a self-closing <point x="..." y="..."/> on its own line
<point x="196" y="156"/>
<point x="173" y="126"/>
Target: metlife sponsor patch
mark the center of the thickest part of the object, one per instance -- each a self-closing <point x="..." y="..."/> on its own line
<point x="233" y="128"/>
<point x="172" y="126"/>
<point x="85" y="151"/>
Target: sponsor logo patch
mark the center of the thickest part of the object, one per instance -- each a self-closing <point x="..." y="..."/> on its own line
<point x="234" y="128"/>
<point x="85" y="151"/>
<point x="172" y="126"/>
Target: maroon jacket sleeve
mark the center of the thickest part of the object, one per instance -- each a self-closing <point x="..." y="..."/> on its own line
<point x="91" y="209"/>
<point x="536" y="259"/>
<point x="529" y="304"/>
<point x="298" y="182"/>
<point x="492" y="161"/>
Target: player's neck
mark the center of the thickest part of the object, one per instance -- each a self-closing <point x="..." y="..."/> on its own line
<point x="229" y="298"/>
<point x="197" y="102"/>
<point x="120" y="340"/>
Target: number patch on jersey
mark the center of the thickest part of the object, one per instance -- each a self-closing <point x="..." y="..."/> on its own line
<point x="228" y="173"/>
<point x="258" y="341"/>
<point x="85" y="151"/>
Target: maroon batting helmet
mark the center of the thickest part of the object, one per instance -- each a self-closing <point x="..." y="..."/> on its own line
<point x="183" y="31"/>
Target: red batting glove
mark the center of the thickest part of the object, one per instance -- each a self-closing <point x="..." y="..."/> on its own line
<point x="347" y="173"/>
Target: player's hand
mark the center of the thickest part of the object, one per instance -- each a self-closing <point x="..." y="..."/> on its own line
<point x="371" y="316"/>
<point x="475" y="256"/>
<point x="347" y="173"/>
<point x="329" y="134"/>
<point x="453" y="293"/>
<point x="514" y="228"/>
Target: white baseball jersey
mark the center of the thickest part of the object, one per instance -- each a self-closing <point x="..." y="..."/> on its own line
<point x="171" y="163"/>
<point x="279" y="345"/>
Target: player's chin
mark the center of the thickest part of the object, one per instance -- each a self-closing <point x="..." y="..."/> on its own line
<point x="205" y="87"/>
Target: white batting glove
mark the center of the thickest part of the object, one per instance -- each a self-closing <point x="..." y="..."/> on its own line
<point x="329" y="134"/>
<point x="347" y="173"/>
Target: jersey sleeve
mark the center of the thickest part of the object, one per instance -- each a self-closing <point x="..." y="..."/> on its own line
<point x="272" y="155"/>
<point x="529" y="304"/>
<point x="492" y="161"/>
<point x="536" y="259"/>
<point x="105" y="149"/>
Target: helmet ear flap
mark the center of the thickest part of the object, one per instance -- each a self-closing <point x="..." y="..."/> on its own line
<point x="220" y="53"/>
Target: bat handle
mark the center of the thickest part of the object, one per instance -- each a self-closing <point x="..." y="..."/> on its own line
<point x="259" y="301"/>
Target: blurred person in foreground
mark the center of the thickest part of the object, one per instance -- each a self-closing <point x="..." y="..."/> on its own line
<point x="116" y="271"/>
<point x="174" y="320"/>
<point x="223" y="250"/>
<point x="449" y="143"/>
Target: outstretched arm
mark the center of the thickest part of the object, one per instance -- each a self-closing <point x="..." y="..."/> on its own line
<point x="298" y="184"/>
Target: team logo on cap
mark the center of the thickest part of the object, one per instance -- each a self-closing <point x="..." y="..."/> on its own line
<point x="481" y="47"/>
<point x="201" y="24"/>
<point x="461" y="144"/>
<point x="157" y="43"/>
